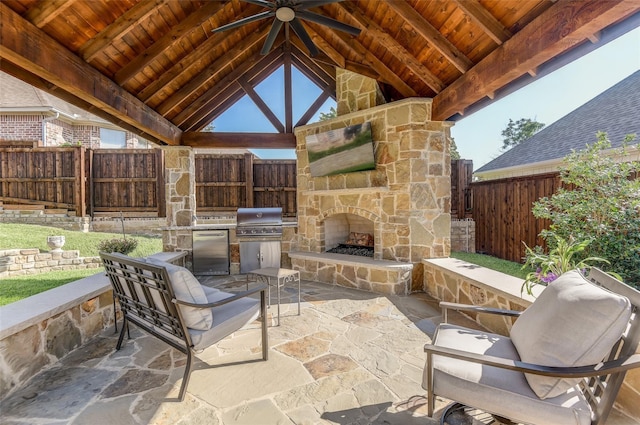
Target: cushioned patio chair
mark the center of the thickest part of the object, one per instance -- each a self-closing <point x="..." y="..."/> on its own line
<point x="168" y="302"/>
<point x="562" y="363"/>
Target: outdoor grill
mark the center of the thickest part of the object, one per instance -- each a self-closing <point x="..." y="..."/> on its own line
<point x="259" y="232"/>
<point x="259" y="223"/>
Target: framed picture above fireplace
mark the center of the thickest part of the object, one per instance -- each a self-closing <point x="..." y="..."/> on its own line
<point x="345" y="150"/>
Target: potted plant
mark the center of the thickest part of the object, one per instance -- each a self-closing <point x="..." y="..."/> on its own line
<point x="562" y="257"/>
<point x="55" y="243"/>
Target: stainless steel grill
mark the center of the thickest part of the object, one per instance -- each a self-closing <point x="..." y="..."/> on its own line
<point x="259" y="223"/>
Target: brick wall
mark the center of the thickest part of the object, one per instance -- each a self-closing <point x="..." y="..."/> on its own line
<point x="21" y="127"/>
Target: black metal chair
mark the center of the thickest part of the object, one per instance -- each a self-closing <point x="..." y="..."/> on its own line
<point x="168" y="302"/>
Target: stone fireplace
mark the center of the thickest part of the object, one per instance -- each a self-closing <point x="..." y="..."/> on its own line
<point x="404" y="203"/>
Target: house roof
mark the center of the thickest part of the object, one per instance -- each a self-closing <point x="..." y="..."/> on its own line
<point x="614" y="111"/>
<point x="16" y="96"/>
<point x="158" y="68"/>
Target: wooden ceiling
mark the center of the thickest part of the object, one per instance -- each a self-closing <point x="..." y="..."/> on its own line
<point x="155" y="67"/>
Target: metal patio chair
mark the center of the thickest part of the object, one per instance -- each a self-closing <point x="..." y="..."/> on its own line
<point x="563" y="362"/>
<point x="168" y="302"/>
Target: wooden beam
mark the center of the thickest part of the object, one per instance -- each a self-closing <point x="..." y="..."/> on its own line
<point x="288" y="94"/>
<point x="310" y="112"/>
<point x="481" y="16"/>
<point x="325" y="46"/>
<point x="561" y="27"/>
<point x="266" y="111"/>
<point x="190" y="117"/>
<point x="44" y="12"/>
<point x="319" y="75"/>
<point x="119" y="28"/>
<point x="431" y="35"/>
<point x="31" y="49"/>
<point x="184" y="29"/>
<point x="197" y="139"/>
<point x="396" y="49"/>
<point x="211" y="71"/>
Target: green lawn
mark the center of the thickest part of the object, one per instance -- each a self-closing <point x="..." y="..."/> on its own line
<point x="493" y="263"/>
<point x="32" y="236"/>
<point x="14" y="289"/>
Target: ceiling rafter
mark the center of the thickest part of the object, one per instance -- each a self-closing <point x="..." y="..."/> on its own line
<point x="119" y="28"/>
<point x="227" y="91"/>
<point x="186" y="64"/>
<point x="312" y="70"/>
<point x="44" y="12"/>
<point x="432" y="35"/>
<point x="325" y="46"/>
<point x="565" y="24"/>
<point x="384" y="38"/>
<point x="28" y="47"/>
<point x="211" y="71"/>
<point x="185" y="28"/>
<point x="485" y="20"/>
<point x="262" y="106"/>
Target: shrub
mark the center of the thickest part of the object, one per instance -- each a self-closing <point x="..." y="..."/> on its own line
<point x="601" y="204"/>
<point x="121" y="245"/>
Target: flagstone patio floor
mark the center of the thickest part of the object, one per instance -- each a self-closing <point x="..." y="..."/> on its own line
<point x="351" y="357"/>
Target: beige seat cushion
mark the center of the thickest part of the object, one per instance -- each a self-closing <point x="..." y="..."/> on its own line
<point x="572" y="323"/>
<point x="187" y="288"/>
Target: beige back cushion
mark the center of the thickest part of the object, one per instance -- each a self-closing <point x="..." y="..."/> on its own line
<point x="187" y="288"/>
<point x="572" y="323"/>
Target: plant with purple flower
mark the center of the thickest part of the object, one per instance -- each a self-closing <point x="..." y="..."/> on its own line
<point x="563" y="257"/>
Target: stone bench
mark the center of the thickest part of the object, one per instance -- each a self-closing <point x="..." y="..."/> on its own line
<point x="381" y="276"/>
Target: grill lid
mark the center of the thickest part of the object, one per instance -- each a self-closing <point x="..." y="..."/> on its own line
<point x="259" y="217"/>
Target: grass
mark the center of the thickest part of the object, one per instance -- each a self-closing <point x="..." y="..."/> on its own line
<point x="14" y="235"/>
<point x="14" y="289"/>
<point x="493" y="263"/>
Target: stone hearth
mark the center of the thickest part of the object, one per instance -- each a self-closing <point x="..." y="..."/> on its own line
<point x="404" y="203"/>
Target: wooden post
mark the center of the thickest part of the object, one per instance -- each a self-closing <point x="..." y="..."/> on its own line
<point x="80" y="182"/>
<point x="248" y="163"/>
<point x="160" y="192"/>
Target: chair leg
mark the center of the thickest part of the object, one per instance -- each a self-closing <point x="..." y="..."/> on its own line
<point x="185" y="378"/>
<point x="431" y="398"/>
<point x="125" y="326"/>
<point x="265" y="334"/>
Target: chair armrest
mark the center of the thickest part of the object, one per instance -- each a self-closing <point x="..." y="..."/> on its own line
<point x="254" y="290"/>
<point x="599" y="369"/>
<point x="446" y="306"/>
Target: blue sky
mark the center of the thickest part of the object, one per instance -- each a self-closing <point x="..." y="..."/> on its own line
<point x="477" y="136"/>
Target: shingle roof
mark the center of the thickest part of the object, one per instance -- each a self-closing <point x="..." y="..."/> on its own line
<point x="615" y="111"/>
<point x="15" y="93"/>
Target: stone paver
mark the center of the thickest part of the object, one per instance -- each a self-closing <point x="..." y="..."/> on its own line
<point x="351" y="357"/>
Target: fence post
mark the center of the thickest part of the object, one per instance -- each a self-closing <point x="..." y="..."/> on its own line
<point x="248" y="164"/>
<point x="80" y="184"/>
<point x="160" y="184"/>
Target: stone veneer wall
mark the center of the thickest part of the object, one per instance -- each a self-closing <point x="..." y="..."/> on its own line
<point x="20" y="262"/>
<point x="407" y="197"/>
<point x="456" y="281"/>
<point x="463" y="235"/>
<point x="180" y="194"/>
<point x="38" y="331"/>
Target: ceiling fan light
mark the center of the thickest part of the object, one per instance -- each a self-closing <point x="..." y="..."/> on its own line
<point x="285" y="14"/>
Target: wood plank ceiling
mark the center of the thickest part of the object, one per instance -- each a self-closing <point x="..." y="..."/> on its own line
<point x="157" y="68"/>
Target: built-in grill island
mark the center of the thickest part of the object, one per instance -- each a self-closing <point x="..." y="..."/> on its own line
<point x="259" y="234"/>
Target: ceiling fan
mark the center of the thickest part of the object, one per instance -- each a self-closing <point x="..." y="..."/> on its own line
<point x="290" y="12"/>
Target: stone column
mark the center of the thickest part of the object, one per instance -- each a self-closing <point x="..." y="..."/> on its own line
<point x="180" y="189"/>
<point x="355" y="92"/>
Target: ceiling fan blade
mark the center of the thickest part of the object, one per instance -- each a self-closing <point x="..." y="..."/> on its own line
<point x="308" y="4"/>
<point x="240" y="22"/>
<point x="262" y="3"/>
<point x="329" y="22"/>
<point x="271" y="37"/>
<point x="304" y="36"/>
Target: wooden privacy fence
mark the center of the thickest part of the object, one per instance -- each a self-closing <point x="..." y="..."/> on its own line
<point x="48" y="177"/>
<point x="503" y="217"/>
<point x="461" y="195"/>
<point x="108" y="181"/>
<point x="231" y="181"/>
